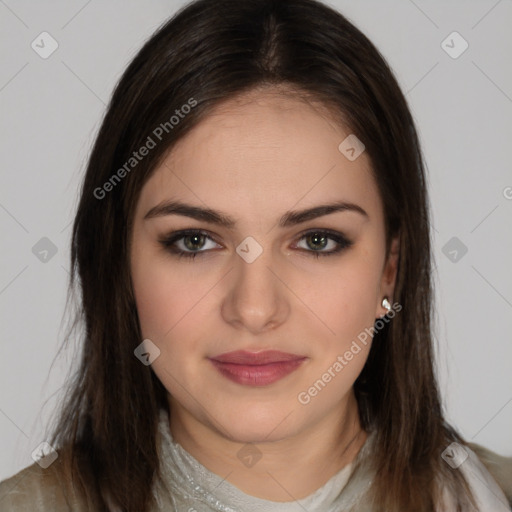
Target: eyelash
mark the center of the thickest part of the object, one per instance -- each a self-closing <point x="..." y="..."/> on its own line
<point x="169" y="242"/>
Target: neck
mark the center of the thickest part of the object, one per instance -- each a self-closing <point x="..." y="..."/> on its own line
<point x="315" y="453"/>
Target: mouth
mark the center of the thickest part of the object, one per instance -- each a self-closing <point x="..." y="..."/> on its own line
<point x="256" y="368"/>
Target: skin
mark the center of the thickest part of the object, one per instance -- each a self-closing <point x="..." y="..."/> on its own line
<point x="255" y="158"/>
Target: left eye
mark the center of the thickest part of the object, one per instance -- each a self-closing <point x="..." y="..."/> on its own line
<point x="319" y="240"/>
<point x="191" y="243"/>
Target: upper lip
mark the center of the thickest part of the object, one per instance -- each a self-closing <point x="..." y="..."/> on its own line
<point x="256" y="358"/>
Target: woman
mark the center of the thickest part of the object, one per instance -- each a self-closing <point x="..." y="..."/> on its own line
<point x="227" y="364"/>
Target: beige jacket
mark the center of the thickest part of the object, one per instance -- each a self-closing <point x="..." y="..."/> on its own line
<point x="37" y="489"/>
<point x="499" y="467"/>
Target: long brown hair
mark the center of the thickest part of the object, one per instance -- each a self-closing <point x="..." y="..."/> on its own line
<point x="209" y="52"/>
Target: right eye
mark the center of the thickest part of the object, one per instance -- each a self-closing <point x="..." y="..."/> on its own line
<point x="187" y="243"/>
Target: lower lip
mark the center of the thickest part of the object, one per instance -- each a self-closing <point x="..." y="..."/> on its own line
<point x="257" y="375"/>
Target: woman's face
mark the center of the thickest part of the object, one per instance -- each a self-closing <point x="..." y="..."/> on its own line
<point x="269" y="280"/>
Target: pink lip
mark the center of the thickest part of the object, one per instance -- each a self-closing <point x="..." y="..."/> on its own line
<point x="256" y="368"/>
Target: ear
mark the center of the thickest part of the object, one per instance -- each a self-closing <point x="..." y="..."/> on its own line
<point x="388" y="279"/>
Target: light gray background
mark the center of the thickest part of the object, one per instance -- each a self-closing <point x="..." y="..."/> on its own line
<point x="50" y="112"/>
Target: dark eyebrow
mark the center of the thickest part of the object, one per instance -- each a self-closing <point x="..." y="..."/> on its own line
<point x="290" y="218"/>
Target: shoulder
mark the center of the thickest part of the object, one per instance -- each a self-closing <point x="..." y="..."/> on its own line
<point x="500" y="467"/>
<point x="37" y="489"/>
<point x="487" y="493"/>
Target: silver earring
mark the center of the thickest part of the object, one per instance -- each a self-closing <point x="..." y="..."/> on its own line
<point x="386" y="304"/>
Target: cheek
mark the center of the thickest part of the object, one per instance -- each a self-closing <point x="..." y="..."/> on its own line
<point x="168" y="304"/>
<point x="344" y="299"/>
<point x="162" y="295"/>
<point x="342" y="342"/>
<point x="153" y="298"/>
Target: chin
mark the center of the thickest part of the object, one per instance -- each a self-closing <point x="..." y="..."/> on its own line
<point x="248" y="433"/>
<point x="258" y="424"/>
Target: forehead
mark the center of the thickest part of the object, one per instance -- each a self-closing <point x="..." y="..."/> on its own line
<point x="259" y="153"/>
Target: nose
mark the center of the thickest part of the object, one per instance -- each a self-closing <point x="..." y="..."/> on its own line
<point x="256" y="300"/>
